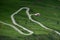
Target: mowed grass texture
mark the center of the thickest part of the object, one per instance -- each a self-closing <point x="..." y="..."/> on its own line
<point x="50" y="17"/>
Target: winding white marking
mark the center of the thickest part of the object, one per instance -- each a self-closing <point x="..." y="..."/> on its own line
<point x="14" y="22"/>
<point x="29" y="16"/>
<point x="15" y="28"/>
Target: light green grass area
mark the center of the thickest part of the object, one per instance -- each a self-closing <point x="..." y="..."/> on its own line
<point x="50" y="17"/>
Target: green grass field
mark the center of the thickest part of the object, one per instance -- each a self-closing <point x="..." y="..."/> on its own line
<point x="50" y="17"/>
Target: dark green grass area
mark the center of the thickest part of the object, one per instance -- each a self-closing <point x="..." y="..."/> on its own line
<point x="32" y="37"/>
<point x="50" y="17"/>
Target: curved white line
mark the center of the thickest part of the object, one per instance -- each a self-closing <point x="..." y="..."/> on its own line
<point x="14" y="28"/>
<point x="29" y="16"/>
<point x="44" y="26"/>
<point x="14" y="22"/>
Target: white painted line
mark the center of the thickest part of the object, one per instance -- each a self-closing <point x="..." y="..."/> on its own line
<point x="29" y="16"/>
<point x="14" y="28"/>
<point x="14" y="22"/>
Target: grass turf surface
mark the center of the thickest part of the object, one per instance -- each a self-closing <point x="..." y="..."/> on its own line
<point x="50" y="17"/>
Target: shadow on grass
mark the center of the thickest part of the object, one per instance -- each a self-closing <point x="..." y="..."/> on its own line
<point x="2" y="37"/>
<point x="50" y="36"/>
